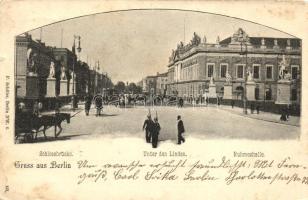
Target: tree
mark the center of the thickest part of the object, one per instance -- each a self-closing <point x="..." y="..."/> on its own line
<point x="132" y="87"/>
<point x="120" y="87"/>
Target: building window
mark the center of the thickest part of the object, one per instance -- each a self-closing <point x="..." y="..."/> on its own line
<point x="223" y="70"/>
<point x="240" y="71"/>
<point x="210" y="70"/>
<point x="269" y="72"/>
<point x="268" y="94"/>
<point x="294" y="71"/>
<point x="294" y="95"/>
<point x="256" y="71"/>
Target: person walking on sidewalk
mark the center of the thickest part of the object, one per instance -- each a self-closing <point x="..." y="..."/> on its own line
<point x="98" y="104"/>
<point x="148" y="126"/>
<point x="87" y="104"/>
<point x="258" y="108"/>
<point x="181" y="130"/>
<point x="155" y="132"/>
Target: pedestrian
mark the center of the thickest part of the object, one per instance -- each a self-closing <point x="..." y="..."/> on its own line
<point x="258" y="108"/>
<point x="283" y="116"/>
<point x="252" y="108"/>
<point x="155" y="132"/>
<point x="181" y="130"/>
<point x="98" y="105"/>
<point x="288" y="110"/>
<point x="147" y="126"/>
<point x="232" y="103"/>
<point x="87" y="104"/>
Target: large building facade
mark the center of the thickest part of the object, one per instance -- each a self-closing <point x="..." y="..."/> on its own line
<point x="193" y="67"/>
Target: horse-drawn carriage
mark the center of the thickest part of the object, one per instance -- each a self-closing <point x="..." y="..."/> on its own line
<point x="28" y="125"/>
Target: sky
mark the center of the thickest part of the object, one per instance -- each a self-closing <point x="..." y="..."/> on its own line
<point x="130" y="45"/>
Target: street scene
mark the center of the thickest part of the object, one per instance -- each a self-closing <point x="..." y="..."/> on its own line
<point x="135" y="79"/>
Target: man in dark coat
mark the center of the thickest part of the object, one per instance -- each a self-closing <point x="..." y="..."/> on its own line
<point x="98" y="105"/>
<point x="155" y="132"/>
<point x="181" y="130"/>
<point x="148" y="126"/>
<point x="87" y="105"/>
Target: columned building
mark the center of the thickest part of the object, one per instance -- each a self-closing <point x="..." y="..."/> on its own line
<point x="33" y="64"/>
<point x="235" y="60"/>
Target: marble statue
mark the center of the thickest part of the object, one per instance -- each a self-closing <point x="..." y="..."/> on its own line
<point x="63" y="74"/>
<point x="228" y="78"/>
<point x="52" y="70"/>
<point x="250" y="76"/>
<point x="283" y="69"/>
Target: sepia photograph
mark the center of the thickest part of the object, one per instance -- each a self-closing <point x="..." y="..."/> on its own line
<point x="126" y="74"/>
<point x="153" y="100"/>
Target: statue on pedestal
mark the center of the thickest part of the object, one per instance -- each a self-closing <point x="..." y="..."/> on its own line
<point x="52" y="70"/>
<point x="63" y="74"/>
<point x="228" y="78"/>
<point x="250" y="76"/>
<point x="73" y="75"/>
<point x="283" y="72"/>
<point x="31" y="62"/>
<point x="211" y="80"/>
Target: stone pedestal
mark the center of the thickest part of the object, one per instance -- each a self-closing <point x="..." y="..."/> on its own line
<point x="250" y="90"/>
<point x="212" y="90"/>
<point x="228" y="91"/>
<point x="63" y="88"/>
<point x="32" y="86"/>
<point x="51" y="87"/>
<point x="283" y="92"/>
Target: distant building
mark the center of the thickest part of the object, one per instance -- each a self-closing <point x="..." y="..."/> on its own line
<point x="161" y="83"/>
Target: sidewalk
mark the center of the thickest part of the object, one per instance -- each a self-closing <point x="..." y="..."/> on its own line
<point x="265" y="116"/>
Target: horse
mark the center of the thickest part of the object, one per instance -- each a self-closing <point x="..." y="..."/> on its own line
<point x="30" y="124"/>
<point x="53" y="120"/>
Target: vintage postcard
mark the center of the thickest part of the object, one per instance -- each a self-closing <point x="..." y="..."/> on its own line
<point x="153" y="100"/>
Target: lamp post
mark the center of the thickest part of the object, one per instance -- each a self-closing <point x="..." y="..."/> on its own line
<point x="243" y="41"/>
<point x="74" y="102"/>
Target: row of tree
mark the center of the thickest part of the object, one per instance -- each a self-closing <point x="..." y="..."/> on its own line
<point x="121" y="87"/>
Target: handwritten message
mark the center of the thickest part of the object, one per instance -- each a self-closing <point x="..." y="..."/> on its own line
<point x="180" y="168"/>
<point x="177" y="166"/>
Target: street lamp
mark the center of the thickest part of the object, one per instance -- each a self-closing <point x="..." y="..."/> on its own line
<point x="243" y="41"/>
<point x="74" y="102"/>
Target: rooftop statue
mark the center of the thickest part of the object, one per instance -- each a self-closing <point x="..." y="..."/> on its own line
<point x="204" y="40"/>
<point x="195" y="40"/>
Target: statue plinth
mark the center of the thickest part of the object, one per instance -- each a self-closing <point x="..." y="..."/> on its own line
<point x="228" y="91"/>
<point x="283" y="92"/>
<point x="212" y="90"/>
<point x="250" y="90"/>
<point x="51" y="87"/>
<point x="32" y="86"/>
<point x="63" y="88"/>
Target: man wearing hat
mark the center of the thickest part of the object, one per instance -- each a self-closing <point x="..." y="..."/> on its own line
<point x="181" y="130"/>
<point x="147" y="125"/>
<point x="155" y="132"/>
